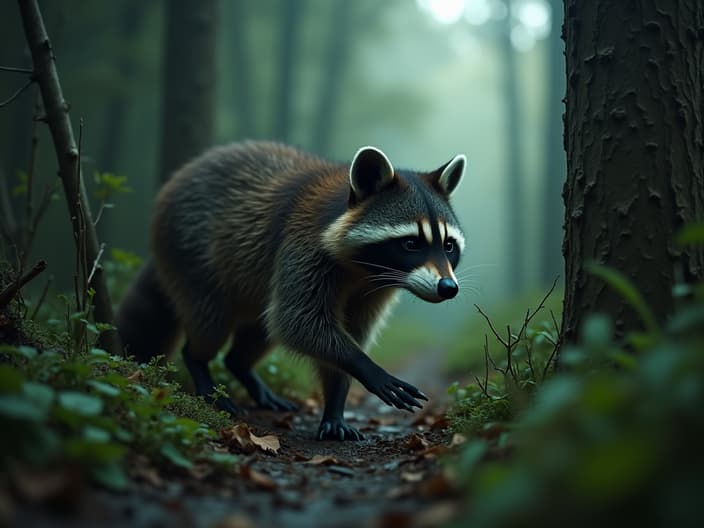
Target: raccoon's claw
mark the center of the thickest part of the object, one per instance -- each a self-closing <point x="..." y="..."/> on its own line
<point x="397" y="393"/>
<point x="337" y="429"/>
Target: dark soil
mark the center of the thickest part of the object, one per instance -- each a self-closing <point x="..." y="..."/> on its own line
<point x="393" y="478"/>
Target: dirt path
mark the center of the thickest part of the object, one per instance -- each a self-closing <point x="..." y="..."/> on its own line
<point x="390" y="479"/>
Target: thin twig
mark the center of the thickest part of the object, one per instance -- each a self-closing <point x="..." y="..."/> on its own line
<point x="96" y="263"/>
<point x="17" y="93"/>
<point x="42" y="297"/>
<point x="556" y="346"/>
<point x="16" y="70"/>
<point x="491" y="326"/>
<point x="10" y="292"/>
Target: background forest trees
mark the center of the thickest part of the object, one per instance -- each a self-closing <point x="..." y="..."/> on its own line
<point x="422" y="82"/>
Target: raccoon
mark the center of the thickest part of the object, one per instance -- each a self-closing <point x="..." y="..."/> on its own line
<point x="269" y="245"/>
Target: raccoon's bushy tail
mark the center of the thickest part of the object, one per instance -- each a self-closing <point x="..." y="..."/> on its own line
<point x="146" y="321"/>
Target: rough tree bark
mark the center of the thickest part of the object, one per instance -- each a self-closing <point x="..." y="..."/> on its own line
<point x="67" y="156"/>
<point x="633" y="136"/>
<point x="553" y="211"/>
<point x="188" y="85"/>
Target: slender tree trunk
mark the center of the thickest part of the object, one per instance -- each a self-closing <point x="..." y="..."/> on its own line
<point x="242" y="78"/>
<point x="635" y="156"/>
<point x="117" y="107"/>
<point x="552" y="263"/>
<point x="188" y="84"/>
<point x="514" y="167"/>
<point x="69" y="162"/>
<point x="291" y="16"/>
<point x="337" y="56"/>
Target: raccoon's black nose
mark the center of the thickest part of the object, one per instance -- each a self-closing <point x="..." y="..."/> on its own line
<point x="447" y="288"/>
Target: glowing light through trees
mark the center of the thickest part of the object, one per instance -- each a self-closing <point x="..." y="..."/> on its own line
<point x="531" y="19"/>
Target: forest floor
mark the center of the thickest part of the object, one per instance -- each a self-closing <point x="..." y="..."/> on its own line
<point x="394" y="478"/>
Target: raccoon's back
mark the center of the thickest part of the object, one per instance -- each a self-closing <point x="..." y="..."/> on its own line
<point x="222" y="215"/>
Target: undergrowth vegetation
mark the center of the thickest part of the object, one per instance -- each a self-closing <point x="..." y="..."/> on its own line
<point x="613" y="437"/>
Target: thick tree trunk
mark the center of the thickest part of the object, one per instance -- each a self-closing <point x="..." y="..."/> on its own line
<point x="291" y="16"/>
<point x="633" y="135"/>
<point x="68" y="159"/>
<point x="188" y="82"/>
<point x="553" y="212"/>
<point x="514" y="167"/>
<point x="337" y="56"/>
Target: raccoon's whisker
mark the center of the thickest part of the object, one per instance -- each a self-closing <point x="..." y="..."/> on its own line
<point x="392" y="285"/>
<point x="475" y="266"/>
<point x="376" y="265"/>
<point x="387" y="276"/>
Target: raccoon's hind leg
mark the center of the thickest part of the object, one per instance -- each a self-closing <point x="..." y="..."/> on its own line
<point x="250" y="343"/>
<point x="336" y="385"/>
<point x="203" y="381"/>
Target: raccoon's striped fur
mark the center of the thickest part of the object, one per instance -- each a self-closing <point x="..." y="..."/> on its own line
<point x="270" y="245"/>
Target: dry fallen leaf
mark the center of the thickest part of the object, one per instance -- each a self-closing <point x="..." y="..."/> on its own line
<point x="285" y="422"/>
<point x="407" y="476"/>
<point x="417" y="442"/>
<point x="149" y="474"/>
<point x="439" y="514"/>
<point x="434" y="451"/>
<point x="441" y="422"/>
<point x="201" y="471"/>
<point x="457" y="440"/>
<point x="241" y="437"/>
<point x="325" y="460"/>
<point x="135" y="376"/>
<point x="260" y="480"/>
<point x="236" y="520"/>
<point x="438" y="486"/>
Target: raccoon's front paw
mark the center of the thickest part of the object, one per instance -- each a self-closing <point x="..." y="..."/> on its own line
<point x="337" y="429"/>
<point x="393" y="391"/>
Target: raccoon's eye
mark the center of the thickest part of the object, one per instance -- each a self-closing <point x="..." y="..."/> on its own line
<point x="411" y="244"/>
<point x="449" y="245"/>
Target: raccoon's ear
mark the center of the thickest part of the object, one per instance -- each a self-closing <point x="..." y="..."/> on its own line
<point x="370" y="172"/>
<point x="450" y="175"/>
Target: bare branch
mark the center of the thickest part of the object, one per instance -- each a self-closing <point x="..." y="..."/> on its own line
<point x="96" y="263"/>
<point x="57" y="118"/>
<point x="17" y="93"/>
<point x="16" y="70"/>
<point x="491" y="325"/>
<point x="42" y="297"/>
<point x="11" y="291"/>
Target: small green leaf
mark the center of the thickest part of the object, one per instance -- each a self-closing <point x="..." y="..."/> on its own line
<point x="112" y="476"/>
<point x="90" y="451"/>
<point x="104" y="388"/>
<point x="222" y="458"/>
<point x="96" y="434"/>
<point x="627" y="290"/>
<point x="21" y="408"/>
<point x="10" y="379"/>
<point x="40" y="394"/>
<point x="691" y="234"/>
<point x="79" y="403"/>
<point x="175" y="456"/>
